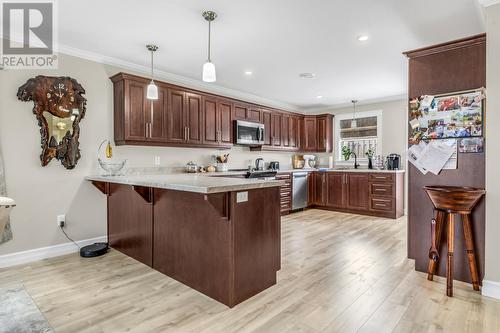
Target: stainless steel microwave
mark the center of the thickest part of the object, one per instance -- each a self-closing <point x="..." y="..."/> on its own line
<point x="248" y="133"/>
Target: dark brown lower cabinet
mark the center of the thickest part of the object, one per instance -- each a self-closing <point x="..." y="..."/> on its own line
<point x="335" y="190"/>
<point x="228" y="249"/>
<point x="376" y="194"/>
<point x="285" y="193"/>
<point x="357" y="191"/>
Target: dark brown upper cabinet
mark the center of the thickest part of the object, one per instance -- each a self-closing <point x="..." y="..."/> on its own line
<point x="217" y="121"/>
<point x="254" y="114"/>
<point x="267" y="120"/>
<point x="276" y="131"/>
<point x="188" y="118"/>
<point x="318" y="133"/>
<point x="136" y="119"/>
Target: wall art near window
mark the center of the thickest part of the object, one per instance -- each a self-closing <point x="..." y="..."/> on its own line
<point x="59" y="106"/>
<point x="447" y="116"/>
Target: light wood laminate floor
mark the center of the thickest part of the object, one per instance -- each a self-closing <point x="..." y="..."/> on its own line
<point x="340" y="273"/>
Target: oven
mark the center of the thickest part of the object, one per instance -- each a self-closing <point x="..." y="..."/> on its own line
<point x="248" y="133"/>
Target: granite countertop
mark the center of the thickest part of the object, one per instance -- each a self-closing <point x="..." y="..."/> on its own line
<point x="199" y="183"/>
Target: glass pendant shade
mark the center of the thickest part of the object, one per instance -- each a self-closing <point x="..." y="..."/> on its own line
<point x="209" y="72"/>
<point x="152" y="91"/>
<point x="354" y="123"/>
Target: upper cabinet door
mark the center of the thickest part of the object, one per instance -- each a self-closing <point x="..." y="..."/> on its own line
<point x="285" y="130"/>
<point x="294" y="132"/>
<point x="310" y="135"/>
<point x="254" y="114"/>
<point x="277" y="133"/>
<point x="240" y="112"/>
<point x="175" y="116"/>
<point x="225" y="121"/>
<point x="267" y="121"/>
<point x="325" y="133"/>
<point x="194" y="118"/>
<point x="135" y="117"/>
<point x="156" y="116"/>
<point x="211" y="131"/>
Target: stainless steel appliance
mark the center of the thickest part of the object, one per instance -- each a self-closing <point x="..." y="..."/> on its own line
<point x="274" y="165"/>
<point x="248" y="133"/>
<point x="259" y="164"/>
<point x="393" y="162"/>
<point x="299" y="190"/>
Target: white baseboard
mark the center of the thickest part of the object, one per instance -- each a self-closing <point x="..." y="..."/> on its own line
<point x="491" y="289"/>
<point x="18" y="258"/>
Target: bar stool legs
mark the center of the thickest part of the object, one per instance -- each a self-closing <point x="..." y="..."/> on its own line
<point x="437" y="230"/>
<point x="437" y="226"/>
<point x="471" y="254"/>
<point x="449" y="262"/>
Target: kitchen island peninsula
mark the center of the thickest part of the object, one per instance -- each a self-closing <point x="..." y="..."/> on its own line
<point x="220" y="236"/>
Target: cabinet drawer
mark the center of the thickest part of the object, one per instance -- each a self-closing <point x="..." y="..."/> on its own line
<point x="385" y="189"/>
<point x="382" y="204"/>
<point x="382" y="177"/>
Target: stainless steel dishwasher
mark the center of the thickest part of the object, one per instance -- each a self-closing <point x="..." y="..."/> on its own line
<point x="299" y="194"/>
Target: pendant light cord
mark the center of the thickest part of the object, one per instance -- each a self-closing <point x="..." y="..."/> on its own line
<point x="209" y="37"/>
<point x="152" y="65"/>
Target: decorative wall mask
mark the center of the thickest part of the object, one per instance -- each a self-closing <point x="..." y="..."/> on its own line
<point x="59" y="107"/>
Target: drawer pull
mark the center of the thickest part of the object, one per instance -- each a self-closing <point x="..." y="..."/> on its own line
<point x="382" y="205"/>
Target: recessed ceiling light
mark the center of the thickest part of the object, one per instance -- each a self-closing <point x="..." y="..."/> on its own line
<point x="363" y="38"/>
<point x="248" y="72"/>
<point x="319" y="97"/>
<point x="307" y="75"/>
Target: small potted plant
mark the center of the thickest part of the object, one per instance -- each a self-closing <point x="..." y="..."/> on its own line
<point x="346" y="152"/>
<point x="370" y="154"/>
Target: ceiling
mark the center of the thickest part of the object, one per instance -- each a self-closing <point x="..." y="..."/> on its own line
<point x="276" y="40"/>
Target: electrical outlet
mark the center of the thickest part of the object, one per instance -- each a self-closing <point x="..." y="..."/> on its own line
<point x="157" y="160"/>
<point x="61" y="221"/>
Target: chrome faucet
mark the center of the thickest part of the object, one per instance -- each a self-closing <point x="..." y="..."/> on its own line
<point x="356" y="165"/>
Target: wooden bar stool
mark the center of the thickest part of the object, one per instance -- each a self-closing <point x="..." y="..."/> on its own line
<point x="448" y="201"/>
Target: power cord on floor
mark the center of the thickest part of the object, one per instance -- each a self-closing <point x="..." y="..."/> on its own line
<point x="69" y="238"/>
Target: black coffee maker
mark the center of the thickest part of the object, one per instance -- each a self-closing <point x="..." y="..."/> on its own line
<point x="393" y="162"/>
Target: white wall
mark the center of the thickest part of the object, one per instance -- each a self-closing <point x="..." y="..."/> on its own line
<point x="394" y="125"/>
<point x="44" y="192"/>
<point x="492" y="263"/>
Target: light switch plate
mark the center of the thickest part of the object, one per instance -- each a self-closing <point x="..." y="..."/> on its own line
<point x="242" y="197"/>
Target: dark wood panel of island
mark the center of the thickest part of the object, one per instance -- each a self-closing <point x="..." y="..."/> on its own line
<point x="183" y="117"/>
<point x="226" y="247"/>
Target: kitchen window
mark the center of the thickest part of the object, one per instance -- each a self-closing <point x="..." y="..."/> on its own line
<point x="366" y="135"/>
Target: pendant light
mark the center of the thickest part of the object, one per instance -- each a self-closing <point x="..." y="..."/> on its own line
<point x="354" y="121"/>
<point x="152" y="92"/>
<point x="209" y="67"/>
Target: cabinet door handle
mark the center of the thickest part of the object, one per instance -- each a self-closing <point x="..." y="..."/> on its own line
<point x="150" y="130"/>
<point x="187" y="133"/>
<point x="146" y="129"/>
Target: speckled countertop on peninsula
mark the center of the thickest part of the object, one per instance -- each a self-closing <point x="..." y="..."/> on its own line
<point x="199" y="183"/>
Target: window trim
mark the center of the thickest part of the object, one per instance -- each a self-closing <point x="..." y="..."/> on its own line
<point x="344" y="116"/>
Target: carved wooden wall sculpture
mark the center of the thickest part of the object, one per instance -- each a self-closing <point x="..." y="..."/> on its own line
<point x="59" y="108"/>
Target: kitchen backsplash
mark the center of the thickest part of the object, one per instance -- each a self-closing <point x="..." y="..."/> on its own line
<point x="174" y="159"/>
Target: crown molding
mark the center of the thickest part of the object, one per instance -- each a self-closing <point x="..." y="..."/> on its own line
<point x="487" y="3"/>
<point x="176" y="79"/>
